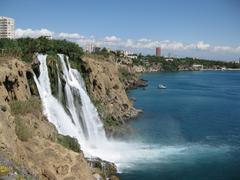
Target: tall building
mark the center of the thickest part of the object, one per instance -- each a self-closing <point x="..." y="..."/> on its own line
<point x="7" y="26"/>
<point x="158" y="51"/>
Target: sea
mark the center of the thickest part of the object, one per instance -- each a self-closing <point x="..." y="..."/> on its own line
<point x="192" y="127"/>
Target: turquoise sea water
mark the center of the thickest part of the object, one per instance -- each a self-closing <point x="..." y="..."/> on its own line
<point x="193" y="126"/>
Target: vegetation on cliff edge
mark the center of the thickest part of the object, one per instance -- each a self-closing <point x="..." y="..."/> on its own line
<point x="24" y="48"/>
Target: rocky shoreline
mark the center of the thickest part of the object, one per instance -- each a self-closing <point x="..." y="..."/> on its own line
<point x="139" y="83"/>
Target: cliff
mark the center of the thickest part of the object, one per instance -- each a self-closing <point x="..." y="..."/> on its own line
<point x="30" y="146"/>
<point x="108" y="93"/>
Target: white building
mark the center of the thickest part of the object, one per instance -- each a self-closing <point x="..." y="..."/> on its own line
<point x="197" y="66"/>
<point x="237" y="61"/>
<point x="169" y="59"/>
<point x="132" y="56"/>
<point x="7" y="26"/>
<point x="90" y="48"/>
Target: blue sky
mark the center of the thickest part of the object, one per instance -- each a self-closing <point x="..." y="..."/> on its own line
<point x="206" y="28"/>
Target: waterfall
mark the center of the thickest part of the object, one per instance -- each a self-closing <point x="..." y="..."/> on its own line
<point x="59" y="84"/>
<point x="78" y="117"/>
<point x="52" y="108"/>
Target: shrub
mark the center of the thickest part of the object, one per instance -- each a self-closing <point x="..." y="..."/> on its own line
<point x="69" y="142"/>
<point x="124" y="74"/>
<point x="32" y="105"/>
<point x="22" y="131"/>
<point x="4" y="170"/>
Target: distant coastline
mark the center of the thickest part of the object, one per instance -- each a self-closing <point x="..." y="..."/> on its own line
<point x="228" y="69"/>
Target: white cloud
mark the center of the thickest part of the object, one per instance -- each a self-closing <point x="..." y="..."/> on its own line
<point x="129" y="43"/>
<point x="88" y="41"/>
<point x="173" y="45"/>
<point x="227" y="49"/>
<point x="19" y="33"/>
<point x="144" y="40"/>
<point x="222" y="48"/>
<point x="238" y="49"/>
<point x="150" y="44"/>
<point x="70" y="35"/>
<point x="202" y="46"/>
<point x="112" y="39"/>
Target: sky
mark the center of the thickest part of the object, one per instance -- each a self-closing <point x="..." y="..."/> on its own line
<point x="206" y="29"/>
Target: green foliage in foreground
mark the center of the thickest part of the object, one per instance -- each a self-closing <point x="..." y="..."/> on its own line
<point x="69" y="142"/>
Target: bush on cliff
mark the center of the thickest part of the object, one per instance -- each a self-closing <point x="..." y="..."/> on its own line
<point x="4" y="170"/>
<point x="125" y="74"/>
<point x="22" y="131"/>
<point x="32" y="105"/>
<point x="69" y="142"/>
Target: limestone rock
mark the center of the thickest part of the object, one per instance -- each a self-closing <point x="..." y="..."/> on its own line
<point x="108" y="92"/>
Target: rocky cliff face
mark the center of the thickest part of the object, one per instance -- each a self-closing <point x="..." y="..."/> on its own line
<point x="27" y="140"/>
<point x="31" y="143"/>
<point x="108" y="94"/>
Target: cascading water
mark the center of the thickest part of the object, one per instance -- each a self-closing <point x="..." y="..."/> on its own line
<point x="81" y="114"/>
<point x="78" y="117"/>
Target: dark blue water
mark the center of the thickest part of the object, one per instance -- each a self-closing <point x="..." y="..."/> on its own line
<point x="193" y="126"/>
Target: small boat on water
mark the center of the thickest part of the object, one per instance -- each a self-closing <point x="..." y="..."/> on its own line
<point x="161" y="86"/>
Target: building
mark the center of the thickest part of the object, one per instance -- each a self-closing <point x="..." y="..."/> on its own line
<point x="7" y="26"/>
<point x="132" y="56"/>
<point x="237" y="61"/>
<point x="169" y="59"/>
<point x="158" y="51"/>
<point x="91" y="48"/>
<point x="197" y="66"/>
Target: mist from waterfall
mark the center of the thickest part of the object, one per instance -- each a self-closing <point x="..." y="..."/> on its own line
<point x="78" y="117"/>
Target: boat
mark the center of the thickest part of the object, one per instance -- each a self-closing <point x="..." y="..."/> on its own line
<point x="161" y="86"/>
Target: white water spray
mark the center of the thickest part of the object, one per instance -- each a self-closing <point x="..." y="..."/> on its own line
<point x="79" y="118"/>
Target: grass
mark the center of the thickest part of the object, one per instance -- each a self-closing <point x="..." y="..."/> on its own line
<point x="22" y="131"/>
<point x="21" y="108"/>
<point x="32" y="105"/>
<point x="69" y="142"/>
